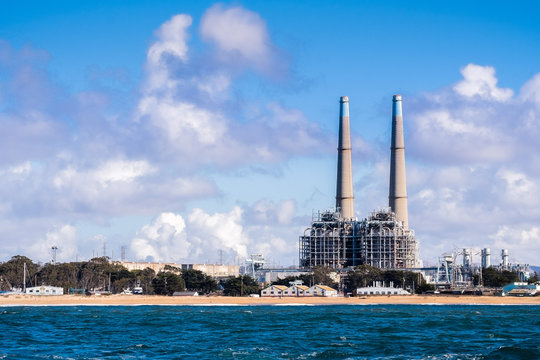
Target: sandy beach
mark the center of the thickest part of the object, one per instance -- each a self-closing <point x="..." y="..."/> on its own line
<point x="73" y="300"/>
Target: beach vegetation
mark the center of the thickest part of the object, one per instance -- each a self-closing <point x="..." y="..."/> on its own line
<point x="240" y="286"/>
<point x="493" y="277"/>
<point x="198" y="281"/>
<point x="166" y="283"/>
<point x="144" y="279"/>
<point x="12" y="272"/>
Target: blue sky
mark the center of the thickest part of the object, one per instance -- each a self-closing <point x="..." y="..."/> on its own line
<point x="180" y="128"/>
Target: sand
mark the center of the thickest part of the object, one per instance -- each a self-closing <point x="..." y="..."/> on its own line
<point x="73" y="300"/>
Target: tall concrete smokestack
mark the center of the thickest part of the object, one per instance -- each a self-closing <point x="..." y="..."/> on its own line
<point x="398" y="184"/>
<point x="344" y="192"/>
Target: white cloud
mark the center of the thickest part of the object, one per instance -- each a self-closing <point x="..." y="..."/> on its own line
<point x="162" y="240"/>
<point x="267" y="212"/>
<point x="63" y="238"/>
<point x="187" y="112"/>
<point x="21" y="169"/>
<point x="172" y="41"/>
<point x="183" y="122"/>
<point x="171" y="238"/>
<point x="480" y="81"/>
<point x="220" y="231"/>
<point x="239" y="34"/>
<point x="110" y="172"/>
<point x="122" y="171"/>
<point x="522" y="242"/>
<point x="530" y="91"/>
<point x="473" y="165"/>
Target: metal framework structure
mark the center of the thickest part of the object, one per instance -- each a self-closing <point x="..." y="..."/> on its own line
<point x="386" y="243"/>
<point x="380" y="241"/>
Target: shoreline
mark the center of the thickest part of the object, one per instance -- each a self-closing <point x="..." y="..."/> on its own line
<point x="141" y="300"/>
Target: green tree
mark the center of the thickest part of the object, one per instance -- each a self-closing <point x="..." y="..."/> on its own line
<point x="144" y="278"/>
<point x="12" y="272"/>
<point x="65" y="275"/>
<point x="166" y="283"/>
<point x="493" y="277"/>
<point x="533" y="279"/>
<point x="240" y="286"/>
<point x="319" y="275"/>
<point x="198" y="281"/>
<point x="362" y="276"/>
<point x="287" y="280"/>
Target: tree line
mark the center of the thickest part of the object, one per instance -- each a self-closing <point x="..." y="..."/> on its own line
<point x="101" y="274"/>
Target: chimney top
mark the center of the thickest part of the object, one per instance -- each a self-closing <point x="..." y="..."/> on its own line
<point x="397" y="98"/>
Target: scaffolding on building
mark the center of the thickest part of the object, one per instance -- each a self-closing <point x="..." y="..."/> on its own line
<point x="380" y="241"/>
<point x="386" y="244"/>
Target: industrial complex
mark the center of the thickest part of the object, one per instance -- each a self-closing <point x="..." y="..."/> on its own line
<point x="337" y="239"/>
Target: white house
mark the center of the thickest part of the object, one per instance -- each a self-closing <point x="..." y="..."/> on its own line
<point x="298" y="290"/>
<point x="381" y="290"/>
<point x="45" y="290"/>
<point x="274" y="290"/>
<point x="322" y="290"/>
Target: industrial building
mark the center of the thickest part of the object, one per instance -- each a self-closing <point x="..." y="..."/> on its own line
<point x="450" y="273"/>
<point x="215" y="270"/>
<point x="337" y="239"/>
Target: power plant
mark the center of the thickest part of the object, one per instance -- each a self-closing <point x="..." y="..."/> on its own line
<point x="337" y="239"/>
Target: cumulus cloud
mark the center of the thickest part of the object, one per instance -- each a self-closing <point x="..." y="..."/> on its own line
<point x="240" y="36"/>
<point x="171" y="238"/>
<point x="187" y="112"/>
<point x="162" y="240"/>
<point x="473" y="164"/>
<point x="480" y="81"/>
<point x="263" y="227"/>
<point x="172" y="43"/>
<point x="63" y="238"/>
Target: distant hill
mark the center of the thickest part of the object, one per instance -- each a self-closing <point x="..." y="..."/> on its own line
<point x="535" y="268"/>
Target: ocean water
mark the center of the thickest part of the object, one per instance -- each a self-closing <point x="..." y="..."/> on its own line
<point x="270" y="332"/>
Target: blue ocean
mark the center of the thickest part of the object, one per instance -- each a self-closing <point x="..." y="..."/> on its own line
<point x="270" y="332"/>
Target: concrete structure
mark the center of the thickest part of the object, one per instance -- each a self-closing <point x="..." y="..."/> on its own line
<point x="486" y="257"/>
<point x="337" y="239"/>
<point x="397" y="198"/>
<point x="274" y="290"/>
<point x="504" y="258"/>
<point x="298" y="290"/>
<point x="323" y="290"/>
<point x="45" y="290"/>
<point x="467" y="258"/>
<point x="214" y="270"/>
<point x="344" y="190"/>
